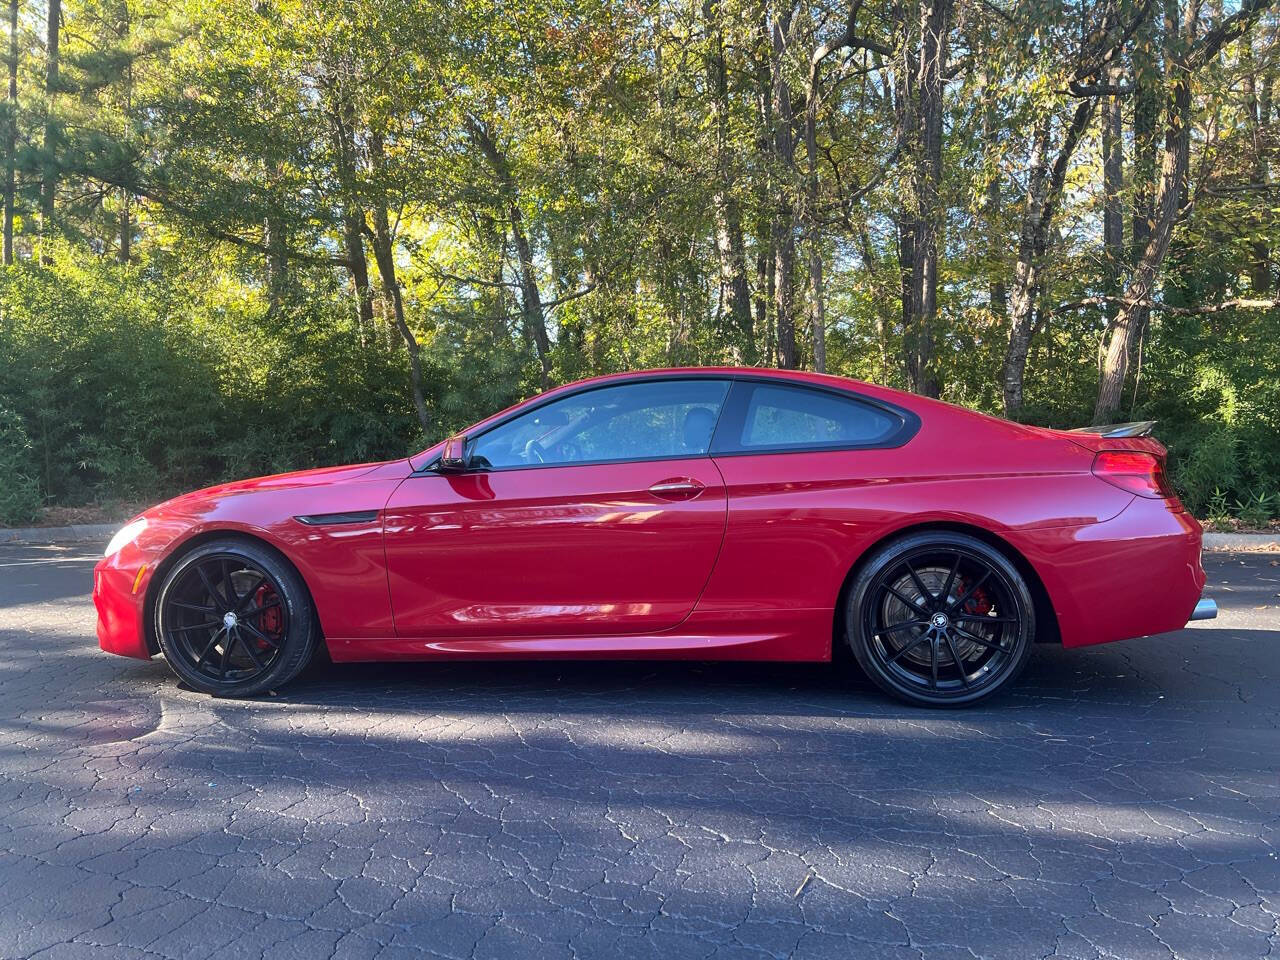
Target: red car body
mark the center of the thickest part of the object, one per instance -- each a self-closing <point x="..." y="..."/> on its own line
<point x="739" y="557"/>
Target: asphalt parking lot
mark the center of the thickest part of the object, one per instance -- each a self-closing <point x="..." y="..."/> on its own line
<point x="1123" y="801"/>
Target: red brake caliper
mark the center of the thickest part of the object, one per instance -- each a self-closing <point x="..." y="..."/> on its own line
<point x="979" y="603"/>
<point x="271" y="620"/>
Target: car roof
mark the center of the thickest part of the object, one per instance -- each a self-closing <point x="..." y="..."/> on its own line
<point x="916" y="404"/>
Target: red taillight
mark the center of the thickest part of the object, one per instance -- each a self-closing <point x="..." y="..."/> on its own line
<point x="1140" y="473"/>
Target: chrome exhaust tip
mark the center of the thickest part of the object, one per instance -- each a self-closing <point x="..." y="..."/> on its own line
<point x="1206" y="609"/>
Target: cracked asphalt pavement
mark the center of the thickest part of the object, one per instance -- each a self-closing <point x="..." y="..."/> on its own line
<point x="1123" y="801"/>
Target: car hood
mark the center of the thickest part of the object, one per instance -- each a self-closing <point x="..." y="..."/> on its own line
<point x="295" y="480"/>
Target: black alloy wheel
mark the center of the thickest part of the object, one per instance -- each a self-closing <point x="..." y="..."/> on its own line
<point x="233" y="619"/>
<point x="940" y="619"/>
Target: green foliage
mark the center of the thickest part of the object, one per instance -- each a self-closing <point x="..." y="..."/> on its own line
<point x="1217" y="511"/>
<point x="562" y="189"/>
<point x="1258" y="509"/>
<point x="1208" y="470"/>
<point x="20" y="498"/>
<point x="133" y="387"/>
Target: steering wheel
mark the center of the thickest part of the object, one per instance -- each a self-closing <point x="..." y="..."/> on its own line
<point x="533" y="451"/>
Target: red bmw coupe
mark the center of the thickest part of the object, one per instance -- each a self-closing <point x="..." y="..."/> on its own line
<point x="698" y="513"/>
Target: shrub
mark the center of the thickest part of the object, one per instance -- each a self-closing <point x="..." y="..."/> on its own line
<point x="1207" y="466"/>
<point x="20" y="499"/>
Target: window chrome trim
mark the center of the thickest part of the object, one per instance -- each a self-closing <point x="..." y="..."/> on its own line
<point x="910" y="422"/>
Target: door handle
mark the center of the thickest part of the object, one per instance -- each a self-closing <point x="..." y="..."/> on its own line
<point x="677" y="488"/>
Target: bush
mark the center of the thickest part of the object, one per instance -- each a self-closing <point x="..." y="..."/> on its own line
<point x="1208" y="466"/>
<point x="20" y="499"/>
<point x="135" y="387"/>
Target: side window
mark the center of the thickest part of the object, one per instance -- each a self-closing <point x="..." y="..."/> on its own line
<point x="794" y="418"/>
<point x="651" y="420"/>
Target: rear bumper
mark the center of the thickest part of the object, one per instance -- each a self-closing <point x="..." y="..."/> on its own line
<point x="119" y="594"/>
<point x="1134" y="575"/>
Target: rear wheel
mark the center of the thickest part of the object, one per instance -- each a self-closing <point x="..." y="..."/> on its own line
<point x="940" y="619"/>
<point x="233" y="619"/>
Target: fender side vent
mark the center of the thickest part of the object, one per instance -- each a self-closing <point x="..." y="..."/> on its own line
<point x="328" y="519"/>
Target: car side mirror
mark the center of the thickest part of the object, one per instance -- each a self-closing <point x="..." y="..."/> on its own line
<point x="453" y="459"/>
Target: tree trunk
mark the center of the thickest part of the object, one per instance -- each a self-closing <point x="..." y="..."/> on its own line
<point x="764" y="297"/>
<point x="1182" y="58"/>
<point x="730" y="248"/>
<point x="383" y="253"/>
<point x="1113" y="189"/>
<point x="125" y="250"/>
<point x="11" y="134"/>
<point x="906" y="261"/>
<point x="384" y="256"/>
<point x="997" y="292"/>
<point x="1045" y="184"/>
<point x="1026" y="276"/>
<point x="342" y="124"/>
<point x="49" y="185"/>
<point x="1135" y="306"/>
<point x="530" y="298"/>
<point x="817" y="289"/>
<point x="784" y="225"/>
<point x="277" y="261"/>
<point x="926" y="139"/>
<point x="352" y="226"/>
<point x="535" y="321"/>
<point x="1256" y="122"/>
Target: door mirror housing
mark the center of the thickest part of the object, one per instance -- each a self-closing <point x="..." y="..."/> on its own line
<point x="453" y="459"/>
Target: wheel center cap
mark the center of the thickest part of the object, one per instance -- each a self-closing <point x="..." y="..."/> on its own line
<point x="229" y="619"/>
<point x="938" y="620"/>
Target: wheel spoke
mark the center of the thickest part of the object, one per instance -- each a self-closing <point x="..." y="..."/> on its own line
<point x="951" y="648"/>
<point x="248" y="594"/>
<point x="229" y="583"/>
<point x="908" y="601"/>
<point x="213" y="642"/>
<point x="259" y="635"/>
<point x="951" y="580"/>
<point x="197" y="626"/>
<point x="925" y="592"/>
<point x="981" y="641"/>
<point x="218" y="601"/>
<point x="910" y="646"/>
<point x="933" y="664"/>
<point x="226" y="654"/>
<point x="904" y="623"/>
<point x="255" y="611"/>
<point x="253" y="654"/>
<point x="192" y="606"/>
<point x="968" y="594"/>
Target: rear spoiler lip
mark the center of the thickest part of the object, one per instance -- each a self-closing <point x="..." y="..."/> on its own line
<point x="1115" y="431"/>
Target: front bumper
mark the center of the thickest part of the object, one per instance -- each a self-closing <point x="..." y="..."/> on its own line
<point x="119" y="594"/>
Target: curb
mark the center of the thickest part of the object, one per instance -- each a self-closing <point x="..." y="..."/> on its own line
<point x="1249" y="542"/>
<point x="76" y="533"/>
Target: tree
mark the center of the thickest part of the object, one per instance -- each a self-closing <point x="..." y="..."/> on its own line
<point x="1186" y="51"/>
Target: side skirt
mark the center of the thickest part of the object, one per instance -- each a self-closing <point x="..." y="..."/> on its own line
<point x="788" y="635"/>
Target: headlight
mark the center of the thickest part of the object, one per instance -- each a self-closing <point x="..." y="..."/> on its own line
<point x="125" y="536"/>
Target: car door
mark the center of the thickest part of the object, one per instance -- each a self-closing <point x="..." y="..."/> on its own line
<point x="596" y="513"/>
<point x="805" y="469"/>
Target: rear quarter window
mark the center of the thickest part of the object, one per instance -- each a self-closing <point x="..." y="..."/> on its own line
<point x="783" y="417"/>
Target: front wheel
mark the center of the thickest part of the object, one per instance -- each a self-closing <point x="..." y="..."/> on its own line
<point x="234" y="619"/>
<point x="940" y="619"/>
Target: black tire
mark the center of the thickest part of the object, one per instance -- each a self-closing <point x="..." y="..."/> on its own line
<point x="940" y="619"/>
<point x="234" y="619"/>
